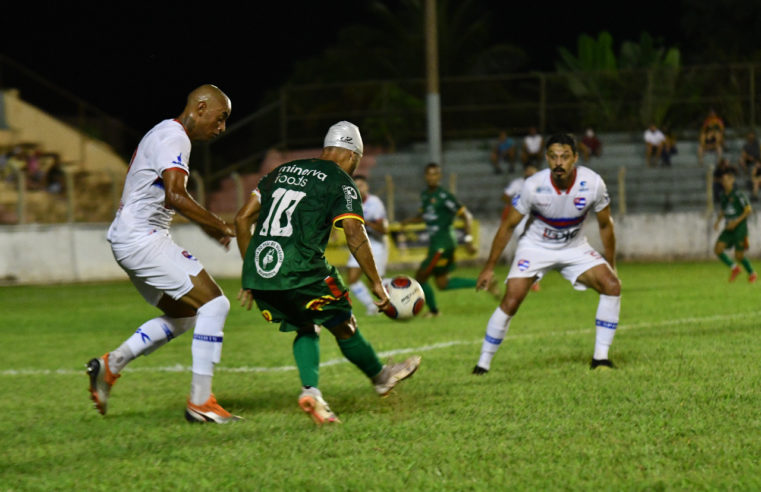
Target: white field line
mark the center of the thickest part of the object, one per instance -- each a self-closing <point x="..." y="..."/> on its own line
<point x="389" y="353"/>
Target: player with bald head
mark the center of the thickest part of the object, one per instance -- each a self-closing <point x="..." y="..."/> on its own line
<point x="165" y="274"/>
<point x="285" y="271"/>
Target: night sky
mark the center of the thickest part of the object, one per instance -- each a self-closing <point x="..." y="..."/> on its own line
<point x="138" y="60"/>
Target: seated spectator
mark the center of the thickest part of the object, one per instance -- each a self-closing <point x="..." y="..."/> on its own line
<point x="54" y="178"/>
<point x="503" y="151"/>
<point x="590" y="145"/>
<point x="711" y="137"/>
<point x="750" y="155"/>
<point x="721" y="168"/>
<point x="34" y="173"/>
<point x="654" y="142"/>
<point x="669" y="147"/>
<point x="532" y="151"/>
<point x="755" y="179"/>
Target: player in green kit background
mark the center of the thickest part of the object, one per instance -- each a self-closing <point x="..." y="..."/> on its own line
<point x="735" y="209"/>
<point x="285" y="270"/>
<point x="439" y="209"/>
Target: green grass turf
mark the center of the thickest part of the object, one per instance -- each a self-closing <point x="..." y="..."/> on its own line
<point x="680" y="413"/>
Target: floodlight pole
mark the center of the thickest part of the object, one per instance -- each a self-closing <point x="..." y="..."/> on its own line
<point x="433" y="102"/>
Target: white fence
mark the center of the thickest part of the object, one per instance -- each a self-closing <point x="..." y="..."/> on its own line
<point x="41" y="254"/>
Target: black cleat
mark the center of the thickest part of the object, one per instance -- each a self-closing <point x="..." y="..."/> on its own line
<point x="478" y="370"/>
<point x="604" y="363"/>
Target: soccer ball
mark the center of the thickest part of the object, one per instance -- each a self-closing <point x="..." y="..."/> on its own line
<point x="406" y="296"/>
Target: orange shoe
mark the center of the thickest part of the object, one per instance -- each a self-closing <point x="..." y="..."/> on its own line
<point x="211" y="411"/>
<point x="101" y="381"/>
<point x="312" y="403"/>
<point x="734" y="273"/>
<point x="753" y="277"/>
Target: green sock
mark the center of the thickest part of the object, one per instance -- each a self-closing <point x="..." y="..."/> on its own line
<point x="361" y="354"/>
<point x="746" y="265"/>
<point x="430" y="299"/>
<point x="460" y="283"/>
<point x="725" y="259"/>
<point x="306" y="351"/>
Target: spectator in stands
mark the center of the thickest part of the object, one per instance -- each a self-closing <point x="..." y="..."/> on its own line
<point x="33" y="168"/>
<point x="669" y="146"/>
<point x="711" y="137"/>
<point x="750" y="155"/>
<point x="16" y="163"/>
<point x="590" y="145"/>
<point x="755" y="180"/>
<point x="504" y="150"/>
<point x="54" y="178"/>
<point x="531" y="152"/>
<point x="654" y="142"/>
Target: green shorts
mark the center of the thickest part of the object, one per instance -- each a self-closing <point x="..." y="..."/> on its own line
<point x="438" y="262"/>
<point x="324" y="303"/>
<point x="737" y="238"/>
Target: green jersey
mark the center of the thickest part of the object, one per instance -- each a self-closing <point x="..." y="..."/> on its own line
<point x="733" y="205"/>
<point x="439" y="209"/>
<point x="300" y="202"/>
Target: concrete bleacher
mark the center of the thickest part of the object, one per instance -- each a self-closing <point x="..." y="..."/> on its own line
<point x="681" y="187"/>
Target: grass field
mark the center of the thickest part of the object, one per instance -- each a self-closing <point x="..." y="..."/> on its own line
<point x="682" y="412"/>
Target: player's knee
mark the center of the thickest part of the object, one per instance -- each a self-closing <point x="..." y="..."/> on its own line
<point x="611" y="286"/>
<point x="219" y="306"/>
<point x="345" y="330"/>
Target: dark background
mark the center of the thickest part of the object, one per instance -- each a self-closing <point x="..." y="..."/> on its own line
<point x="138" y="60"/>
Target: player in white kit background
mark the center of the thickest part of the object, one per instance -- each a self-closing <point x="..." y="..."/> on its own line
<point x="557" y="201"/>
<point x="376" y="224"/>
<point x="165" y="274"/>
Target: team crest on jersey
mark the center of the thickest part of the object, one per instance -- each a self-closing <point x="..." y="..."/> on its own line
<point x="268" y="259"/>
<point x="580" y="202"/>
<point x="187" y="255"/>
<point x="523" y="265"/>
<point x="350" y="194"/>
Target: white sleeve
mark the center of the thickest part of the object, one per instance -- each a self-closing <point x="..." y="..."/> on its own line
<point x="602" y="199"/>
<point x="523" y="203"/>
<point x="172" y="152"/>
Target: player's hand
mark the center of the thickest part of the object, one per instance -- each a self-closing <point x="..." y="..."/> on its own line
<point x="380" y="292"/>
<point x="246" y="298"/>
<point x="484" y="279"/>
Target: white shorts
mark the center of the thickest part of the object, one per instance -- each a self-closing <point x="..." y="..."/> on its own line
<point x="158" y="266"/>
<point x="531" y="260"/>
<point x="380" y="254"/>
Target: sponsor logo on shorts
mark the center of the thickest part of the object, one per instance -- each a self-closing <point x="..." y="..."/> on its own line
<point x="579" y="202"/>
<point x="523" y="265"/>
<point x="320" y="302"/>
<point x="267" y="315"/>
<point x="268" y="259"/>
<point x="188" y="255"/>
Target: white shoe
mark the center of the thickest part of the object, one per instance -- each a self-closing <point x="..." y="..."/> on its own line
<point x="312" y="403"/>
<point x="392" y="374"/>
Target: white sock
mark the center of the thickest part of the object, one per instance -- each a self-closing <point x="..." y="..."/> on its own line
<point x="496" y="329"/>
<point x="362" y="293"/>
<point x="606" y="322"/>
<point x="200" y="388"/>
<point x="207" y="345"/>
<point x="151" y="335"/>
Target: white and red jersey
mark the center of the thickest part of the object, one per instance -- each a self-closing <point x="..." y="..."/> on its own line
<point x="141" y="210"/>
<point x="373" y="209"/>
<point x="557" y="216"/>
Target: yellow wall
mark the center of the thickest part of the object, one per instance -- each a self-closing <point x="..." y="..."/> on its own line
<point x="30" y="124"/>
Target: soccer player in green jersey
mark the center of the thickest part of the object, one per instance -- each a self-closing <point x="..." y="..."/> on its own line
<point x="439" y="209"/>
<point x="285" y="271"/>
<point x="735" y="209"/>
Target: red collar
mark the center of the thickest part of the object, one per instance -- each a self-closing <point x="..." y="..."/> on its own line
<point x="183" y="126"/>
<point x="567" y="190"/>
